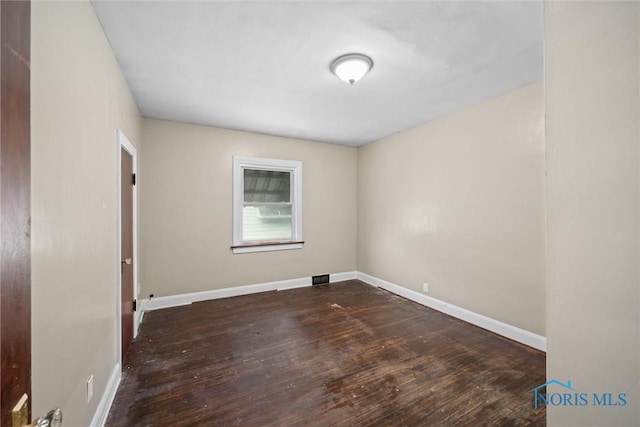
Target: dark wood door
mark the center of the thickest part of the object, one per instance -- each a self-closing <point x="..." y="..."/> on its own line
<point x="126" y="206"/>
<point x="15" y="207"/>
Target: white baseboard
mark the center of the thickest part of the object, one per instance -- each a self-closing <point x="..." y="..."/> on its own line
<point x="341" y="277"/>
<point x="185" y="299"/>
<point x="512" y="332"/>
<point x="102" y="411"/>
<point x="138" y="316"/>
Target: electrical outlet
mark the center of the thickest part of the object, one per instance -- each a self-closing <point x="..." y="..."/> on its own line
<point x="89" y="388"/>
<point x="425" y="288"/>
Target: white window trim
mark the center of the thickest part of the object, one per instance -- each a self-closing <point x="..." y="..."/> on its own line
<point x="295" y="167"/>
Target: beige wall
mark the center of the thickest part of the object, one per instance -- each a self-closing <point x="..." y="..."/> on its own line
<point x="592" y="137"/>
<point x="187" y="213"/>
<point x="79" y="98"/>
<point x="459" y="203"/>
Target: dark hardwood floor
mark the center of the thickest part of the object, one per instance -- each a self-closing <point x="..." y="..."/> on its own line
<point x="345" y="354"/>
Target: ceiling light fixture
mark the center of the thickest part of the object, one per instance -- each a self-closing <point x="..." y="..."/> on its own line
<point x="351" y="67"/>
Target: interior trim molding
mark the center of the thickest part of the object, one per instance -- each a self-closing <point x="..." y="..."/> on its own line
<point x="341" y="277"/>
<point x="102" y="411"/>
<point x="509" y="331"/>
<point x="185" y="299"/>
<point x="138" y="316"/>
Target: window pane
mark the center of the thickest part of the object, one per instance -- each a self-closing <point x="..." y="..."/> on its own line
<point x="266" y="208"/>
<point x="267" y="223"/>
<point x="264" y="186"/>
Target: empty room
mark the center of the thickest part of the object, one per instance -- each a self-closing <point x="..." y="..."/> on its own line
<point x="292" y="213"/>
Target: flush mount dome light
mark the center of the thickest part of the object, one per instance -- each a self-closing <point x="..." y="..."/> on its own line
<point x="351" y="67"/>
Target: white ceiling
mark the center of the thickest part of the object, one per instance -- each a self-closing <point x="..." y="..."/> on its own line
<point x="263" y="66"/>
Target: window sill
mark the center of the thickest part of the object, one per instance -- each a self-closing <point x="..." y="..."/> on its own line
<point x="266" y="247"/>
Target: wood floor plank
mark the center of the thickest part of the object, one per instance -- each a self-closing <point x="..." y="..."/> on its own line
<point x="344" y="354"/>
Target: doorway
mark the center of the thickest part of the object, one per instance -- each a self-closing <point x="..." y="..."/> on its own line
<point x="127" y="244"/>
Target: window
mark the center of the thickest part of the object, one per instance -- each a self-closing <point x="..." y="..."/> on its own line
<point x="267" y="204"/>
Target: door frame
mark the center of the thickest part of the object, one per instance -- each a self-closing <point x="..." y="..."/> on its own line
<point x="122" y="142"/>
